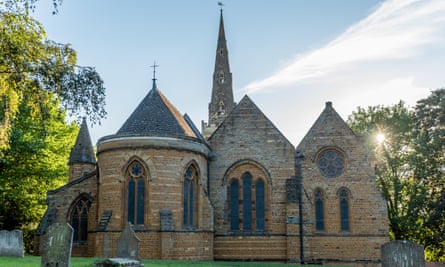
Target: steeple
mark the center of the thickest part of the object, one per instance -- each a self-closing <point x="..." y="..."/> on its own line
<point x="82" y="158"/>
<point x="222" y="102"/>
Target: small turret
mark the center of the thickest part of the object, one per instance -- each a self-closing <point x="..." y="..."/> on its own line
<point x="82" y="159"/>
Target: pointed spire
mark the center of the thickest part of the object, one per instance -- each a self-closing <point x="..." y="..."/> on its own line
<point x="82" y="151"/>
<point x="222" y="93"/>
<point x="222" y="34"/>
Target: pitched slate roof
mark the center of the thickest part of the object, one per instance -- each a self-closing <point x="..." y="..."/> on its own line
<point x="82" y="151"/>
<point x="156" y="116"/>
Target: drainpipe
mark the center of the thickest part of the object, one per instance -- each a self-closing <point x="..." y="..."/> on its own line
<point x="298" y="158"/>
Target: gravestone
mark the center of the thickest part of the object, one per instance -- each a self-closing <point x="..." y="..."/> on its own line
<point x="402" y="253"/>
<point x="11" y="243"/>
<point x="119" y="262"/>
<point x="128" y="244"/>
<point x="56" y="246"/>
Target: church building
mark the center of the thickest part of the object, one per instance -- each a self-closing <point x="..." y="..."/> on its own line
<point x="236" y="190"/>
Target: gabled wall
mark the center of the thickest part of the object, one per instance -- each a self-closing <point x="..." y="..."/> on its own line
<point x="247" y="141"/>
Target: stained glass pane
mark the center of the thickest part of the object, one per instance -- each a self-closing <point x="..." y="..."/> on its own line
<point x="186" y="202"/>
<point x="140" y="202"/>
<point x="247" y="202"/>
<point x="191" y="204"/>
<point x="234" y="202"/>
<point x="344" y="211"/>
<point x="131" y="189"/>
<point x="319" y="211"/>
<point x="259" y="205"/>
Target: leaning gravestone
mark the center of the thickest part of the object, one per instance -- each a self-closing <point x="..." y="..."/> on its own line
<point x="56" y="246"/>
<point x="402" y="253"/>
<point x="11" y="243"/>
<point x="128" y="244"/>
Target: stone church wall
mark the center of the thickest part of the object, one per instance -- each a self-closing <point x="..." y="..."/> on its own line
<point x="165" y="169"/>
<point x="248" y="142"/>
<point x="368" y="224"/>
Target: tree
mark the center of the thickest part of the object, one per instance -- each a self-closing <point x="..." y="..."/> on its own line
<point x="429" y="163"/>
<point x="405" y="197"/>
<point x="32" y="65"/>
<point x="35" y="160"/>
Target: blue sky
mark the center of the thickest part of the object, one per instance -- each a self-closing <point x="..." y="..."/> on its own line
<point x="289" y="56"/>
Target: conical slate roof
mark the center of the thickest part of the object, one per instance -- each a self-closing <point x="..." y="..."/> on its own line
<point x="82" y="151"/>
<point x="156" y="116"/>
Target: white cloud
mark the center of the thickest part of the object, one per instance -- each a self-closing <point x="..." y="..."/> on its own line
<point x="397" y="29"/>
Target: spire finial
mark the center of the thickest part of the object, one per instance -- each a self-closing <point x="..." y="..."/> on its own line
<point x="220" y="4"/>
<point x="154" y="66"/>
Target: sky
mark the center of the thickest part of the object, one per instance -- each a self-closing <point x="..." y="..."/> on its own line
<point x="289" y="56"/>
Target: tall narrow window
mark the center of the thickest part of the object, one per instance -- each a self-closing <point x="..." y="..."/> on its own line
<point x="247" y="201"/>
<point x="344" y="210"/>
<point x="190" y="186"/>
<point x="234" y="202"/>
<point x="136" y="194"/>
<point x="319" y="211"/>
<point x="259" y="205"/>
<point x="79" y="220"/>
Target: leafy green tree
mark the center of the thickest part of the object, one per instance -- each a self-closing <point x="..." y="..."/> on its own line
<point x="429" y="163"/>
<point x="389" y="133"/>
<point x="32" y="65"/>
<point x="35" y="160"/>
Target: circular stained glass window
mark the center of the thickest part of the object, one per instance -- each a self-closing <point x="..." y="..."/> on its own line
<point x="331" y="163"/>
<point x="136" y="169"/>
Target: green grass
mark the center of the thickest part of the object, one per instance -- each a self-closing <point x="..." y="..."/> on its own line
<point x="34" y="261"/>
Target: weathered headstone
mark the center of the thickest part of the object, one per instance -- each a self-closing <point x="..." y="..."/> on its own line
<point x="128" y="244"/>
<point x="119" y="262"/>
<point x="11" y="243"/>
<point x="56" y="246"/>
<point x="402" y="253"/>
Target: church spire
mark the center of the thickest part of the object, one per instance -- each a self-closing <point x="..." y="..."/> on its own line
<point x="222" y="93"/>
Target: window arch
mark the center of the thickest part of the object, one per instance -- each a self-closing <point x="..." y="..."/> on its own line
<point x="79" y="219"/>
<point x="247" y="203"/>
<point x="135" y="189"/>
<point x="319" y="210"/>
<point x="190" y="197"/>
<point x="344" y="210"/>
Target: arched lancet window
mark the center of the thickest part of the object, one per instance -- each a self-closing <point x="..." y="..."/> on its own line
<point x="344" y="210"/>
<point x="247" y="201"/>
<point x="259" y="205"/>
<point x="190" y="196"/>
<point x="79" y="220"/>
<point x="319" y="211"/>
<point x="136" y="193"/>
<point x="234" y="205"/>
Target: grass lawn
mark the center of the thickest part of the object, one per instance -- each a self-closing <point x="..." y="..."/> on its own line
<point x="34" y="261"/>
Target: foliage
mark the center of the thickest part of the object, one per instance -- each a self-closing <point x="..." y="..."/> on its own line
<point x="35" y="160"/>
<point x="394" y="174"/>
<point x="32" y="65"/>
<point x="410" y="165"/>
<point x="26" y="5"/>
<point x="429" y="159"/>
